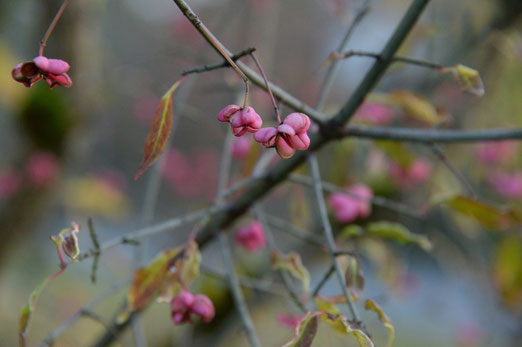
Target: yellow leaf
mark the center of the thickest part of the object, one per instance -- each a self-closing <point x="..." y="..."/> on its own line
<point x="467" y="78"/>
<point x="417" y="107"/>
<point x="372" y="306"/>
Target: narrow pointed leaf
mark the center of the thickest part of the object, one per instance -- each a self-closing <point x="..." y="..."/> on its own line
<point x="292" y="263"/>
<point x="399" y="233"/>
<point x="487" y="215"/>
<point x="159" y="132"/>
<point x="385" y="320"/>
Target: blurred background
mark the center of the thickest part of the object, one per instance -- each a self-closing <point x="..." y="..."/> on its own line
<point x="70" y="154"/>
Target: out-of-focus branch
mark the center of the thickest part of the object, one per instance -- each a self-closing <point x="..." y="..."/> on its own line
<point x="131" y="238"/>
<point x="431" y="135"/>
<point x="327" y="228"/>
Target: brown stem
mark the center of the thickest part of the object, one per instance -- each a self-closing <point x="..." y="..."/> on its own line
<point x="51" y="27"/>
<point x="258" y="64"/>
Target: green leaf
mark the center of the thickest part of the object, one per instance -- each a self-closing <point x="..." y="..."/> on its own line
<point x="157" y="138"/>
<point x="293" y="264"/>
<point x="489" y="216"/>
<point x="28" y="310"/>
<point x="467" y="78"/>
<point x="417" y="107"/>
<point x="305" y="331"/>
<point x="350" y="231"/>
<point x="385" y="320"/>
<point x="399" y="233"/>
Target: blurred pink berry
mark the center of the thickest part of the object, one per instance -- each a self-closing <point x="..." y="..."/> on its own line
<point x="241" y="147"/>
<point x="289" y="320"/>
<point x="204" y="308"/>
<point x="9" y="183"/>
<point x="374" y="113"/>
<point x="496" y="152"/>
<point x="356" y="204"/>
<point x="509" y="185"/>
<point x="406" y="177"/>
<point x="241" y="120"/>
<point x="183" y="305"/>
<point x="42" y="168"/>
<point x="469" y="335"/>
<point x="290" y="135"/>
<point x="53" y="71"/>
<point x="251" y="237"/>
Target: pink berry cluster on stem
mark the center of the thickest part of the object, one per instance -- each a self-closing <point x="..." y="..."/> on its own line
<point x="289" y="135"/>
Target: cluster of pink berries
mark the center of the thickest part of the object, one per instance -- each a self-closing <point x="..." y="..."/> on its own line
<point x="53" y="71"/>
<point x="186" y="304"/>
<point x="290" y="135"/>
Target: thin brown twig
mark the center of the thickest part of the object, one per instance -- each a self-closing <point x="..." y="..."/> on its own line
<point x="43" y="41"/>
<point x="274" y="103"/>
<point x="206" y="68"/>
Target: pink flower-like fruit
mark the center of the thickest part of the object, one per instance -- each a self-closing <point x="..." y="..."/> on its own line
<point x="251" y="237"/>
<point x="241" y="120"/>
<point x="290" y="135"/>
<point x="53" y="71"/>
<point x="185" y="304"/>
<point x="356" y="203"/>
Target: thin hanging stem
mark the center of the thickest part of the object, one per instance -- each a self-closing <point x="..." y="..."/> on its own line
<point x="51" y="27"/>
<point x="211" y="39"/>
<point x="276" y="109"/>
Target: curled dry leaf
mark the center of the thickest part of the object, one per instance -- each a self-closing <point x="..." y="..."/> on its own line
<point x="292" y="263"/>
<point x="307" y="329"/>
